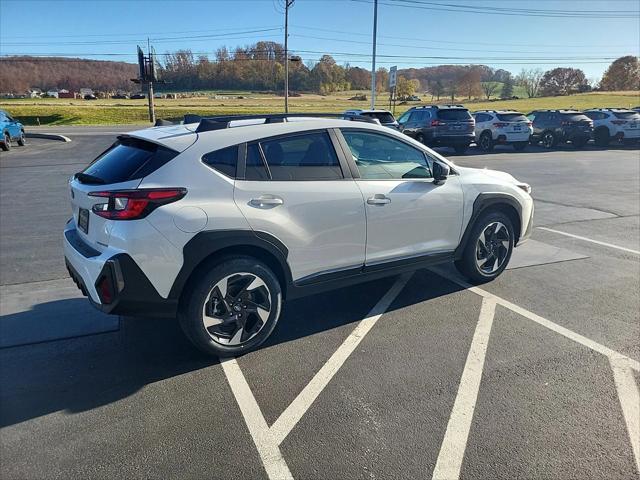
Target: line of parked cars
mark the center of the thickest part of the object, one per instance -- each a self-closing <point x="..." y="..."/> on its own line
<point x="456" y="127"/>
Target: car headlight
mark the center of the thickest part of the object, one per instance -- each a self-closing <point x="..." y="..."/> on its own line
<point x="524" y="186"/>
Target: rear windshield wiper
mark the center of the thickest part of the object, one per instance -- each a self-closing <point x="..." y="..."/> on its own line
<point x="89" y="179"/>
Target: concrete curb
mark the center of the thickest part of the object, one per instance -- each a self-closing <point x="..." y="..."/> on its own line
<point x="48" y="136"/>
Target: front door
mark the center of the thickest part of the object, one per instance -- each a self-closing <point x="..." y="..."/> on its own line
<point x="408" y="215"/>
<point x="295" y="189"/>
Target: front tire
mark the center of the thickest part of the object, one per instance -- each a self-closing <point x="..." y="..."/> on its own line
<point x="22" y="141"/>
<point x="549" y="140"/>
<point x="6" y="143"/>
<point x="420" y="138"/>
<point x="488" y="249"/>
<point x="232" y="308"/>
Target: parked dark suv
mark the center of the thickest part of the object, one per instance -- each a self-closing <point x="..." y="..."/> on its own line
<point x="552" y="127"/>
<point x="440" y="125"/>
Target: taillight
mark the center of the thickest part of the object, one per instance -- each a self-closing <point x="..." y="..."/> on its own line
<point x="436" y="123"/>
<point x="134" y="204"/>
<point x="500" y="124"/>
<point x="530" y="124"/>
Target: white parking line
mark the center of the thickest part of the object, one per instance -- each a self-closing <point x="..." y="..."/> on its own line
<point x="576" y="337"/>
<point x="454" y="443"/>
<point x="268" y="449"/>
<point x="598" y="242"/>
<point x="294" y="412"/>
<point x="629" y="401"/>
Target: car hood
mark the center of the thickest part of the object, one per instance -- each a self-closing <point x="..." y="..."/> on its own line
<point x="492" y="174"/>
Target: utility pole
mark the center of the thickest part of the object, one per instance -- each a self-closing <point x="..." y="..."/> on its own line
<point x="373" y="62"/>
<point x="287" y="4"/>
<point x="152" y="107"/>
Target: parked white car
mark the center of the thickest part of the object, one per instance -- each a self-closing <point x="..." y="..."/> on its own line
<point x="614" y="124"/>
<point x="502" y="127"/>
<point x="219" y="222"/>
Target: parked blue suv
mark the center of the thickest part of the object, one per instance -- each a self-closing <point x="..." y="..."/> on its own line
<point x="12" y="130"/>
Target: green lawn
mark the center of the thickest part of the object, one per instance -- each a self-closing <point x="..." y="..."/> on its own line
<point x="111" y="112"/>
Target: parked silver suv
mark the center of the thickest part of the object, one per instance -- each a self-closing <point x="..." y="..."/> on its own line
<point x="220" y="221"/>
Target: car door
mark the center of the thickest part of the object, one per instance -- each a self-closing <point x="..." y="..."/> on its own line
<point x="408" y="215"/>
<point x="295" y="188"/>
<point x="12" y="127"/>
<point x="413" y="124"/>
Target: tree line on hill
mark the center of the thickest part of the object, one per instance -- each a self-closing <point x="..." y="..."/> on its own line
<point x="260" y="67"/>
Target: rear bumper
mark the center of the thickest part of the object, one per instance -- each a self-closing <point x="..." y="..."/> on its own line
<point x="512" y="137"/>
<point x="112" y="280"/>
<point x="451" y="140"/>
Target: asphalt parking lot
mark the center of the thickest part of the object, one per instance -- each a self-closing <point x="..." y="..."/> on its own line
<point x="534" y="375"/>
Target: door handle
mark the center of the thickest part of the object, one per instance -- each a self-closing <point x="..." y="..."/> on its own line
<point x="266" y="201"/>
<point x="378" y="199"/>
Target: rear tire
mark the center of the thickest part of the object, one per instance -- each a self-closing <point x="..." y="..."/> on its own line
<point x="485" y="142"/>
<point x="6" y="143"/>
<point x="601" y="137"/>
<point x="460" y="149"/>
<point x="488" y="249"/>
<point x="232" y="308"/>
<point x="520" y="146"/>
<point x="22" y="141"/>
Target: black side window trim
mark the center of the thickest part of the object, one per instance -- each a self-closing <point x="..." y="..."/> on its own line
<point x="335" y="143"/>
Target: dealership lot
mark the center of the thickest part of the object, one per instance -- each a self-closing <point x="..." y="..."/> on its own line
<point x="532" y="376"/>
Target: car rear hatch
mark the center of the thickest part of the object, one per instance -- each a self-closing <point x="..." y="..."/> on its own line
<point x="629" y="121"/>
<point x="454" y="121"/>
<point x="512" y="123"/>
<point x="577" y="123"/>
<point x="121" y="167"/>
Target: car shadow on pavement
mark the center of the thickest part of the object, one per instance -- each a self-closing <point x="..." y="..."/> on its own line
<point x="79" y="374"/>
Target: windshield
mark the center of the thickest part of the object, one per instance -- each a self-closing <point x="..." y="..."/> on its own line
<point x="454" y="114"/>
<point x="630" y="115"/>
<point x="512" y="117"/>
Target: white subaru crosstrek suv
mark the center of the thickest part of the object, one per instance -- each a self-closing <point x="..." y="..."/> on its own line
<point x="618" y="124"/>
<point x="219" y="222"/>
<point x="502" y="127"/>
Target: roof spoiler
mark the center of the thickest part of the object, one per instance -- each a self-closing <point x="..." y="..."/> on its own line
<point x="217" y="123"/>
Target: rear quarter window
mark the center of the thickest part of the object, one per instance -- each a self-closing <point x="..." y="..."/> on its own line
<point x="128" y="159"/>
<point x="627" y="115"/>
<point x="224" y="161"/>
<point x="574" y="117"/>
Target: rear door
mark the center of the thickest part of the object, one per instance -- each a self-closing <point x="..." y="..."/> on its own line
<point x="295" y="188"/>
<point x="407" y="214"/>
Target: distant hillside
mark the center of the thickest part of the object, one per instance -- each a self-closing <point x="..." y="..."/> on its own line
<point x="18" y="74"/>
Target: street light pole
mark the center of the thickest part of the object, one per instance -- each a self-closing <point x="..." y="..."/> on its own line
<point x="287" y="4"/>
<point x="373" y="62"/>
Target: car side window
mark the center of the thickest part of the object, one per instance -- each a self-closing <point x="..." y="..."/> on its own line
<point x="531" y="117"/>
<point x="404" y="117"/>
<point x="224" y="160"/>
<point x="255" y="167"/>
<point x="309" y="156"/>
<point x="380" y="157"/>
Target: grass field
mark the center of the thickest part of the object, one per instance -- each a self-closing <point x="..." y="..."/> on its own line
<point x="109" y="112"/>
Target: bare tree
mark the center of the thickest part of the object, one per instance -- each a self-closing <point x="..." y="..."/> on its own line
<point x="530" y="80"/>
<point x="489" y="88"/>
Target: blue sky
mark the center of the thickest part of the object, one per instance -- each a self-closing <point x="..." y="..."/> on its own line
<point x="409" y="30"/>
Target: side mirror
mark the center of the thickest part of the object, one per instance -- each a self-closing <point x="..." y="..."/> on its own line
<point x="440" y="172"/>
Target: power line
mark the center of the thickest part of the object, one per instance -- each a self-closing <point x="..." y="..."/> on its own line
<point x="439" y="41"/>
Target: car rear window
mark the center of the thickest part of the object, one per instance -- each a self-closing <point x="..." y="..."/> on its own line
<point x="627" y="115"/>
<point x="575" y="117"/>
<point x="512" y="117"/>
<point x="384" y="117"/>
<point x="127" y="159"/>
<point x="454" y="114"/>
